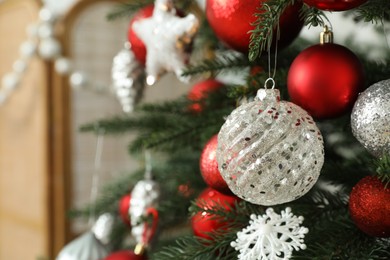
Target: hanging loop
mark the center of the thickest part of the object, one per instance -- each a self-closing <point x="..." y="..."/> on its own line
<point x="267" y="82"/>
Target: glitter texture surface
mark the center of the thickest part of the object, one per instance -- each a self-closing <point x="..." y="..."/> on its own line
<point x="370" y="208"/>
<point x="127" y="79"/>
<point x="370" y="118"/>
<point x="270" y="151"/>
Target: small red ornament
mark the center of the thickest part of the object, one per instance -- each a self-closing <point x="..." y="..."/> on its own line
<point x="334" y="5"/>
<point x="200" y="91"/>
<point x="325" y="79"/>
<point x="231" y="21"/>
<point x="370" y="208"/>
<point x="209" y="167"/>
<point x="202" y="222"/>
<point x="125" y="255"/>
<point x="123" y="208"/>
<point x="137" y="45"/>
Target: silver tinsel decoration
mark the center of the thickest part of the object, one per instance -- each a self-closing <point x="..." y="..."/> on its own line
<point x="92" y="244"/>
<point x="270" y="151"/>
<point x="370" y="118"/>
<point x="128" y="78"/>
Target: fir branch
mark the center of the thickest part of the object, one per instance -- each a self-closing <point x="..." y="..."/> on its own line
<point x="374" y="11"/>
<point x="127" y="9"/>
<point x="312" y="16"/>
<point x="267" y="19"/>
<point x="382" y="169"/>
<point x="229" y="61"/>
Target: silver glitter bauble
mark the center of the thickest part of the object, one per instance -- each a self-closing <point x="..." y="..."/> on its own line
<point x="270" y="151"/>
<point x="128" y="79"/>
<point x="370" y="118"/>
<point x="92" y="244"/>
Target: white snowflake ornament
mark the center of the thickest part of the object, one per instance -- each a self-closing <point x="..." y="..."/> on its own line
<point x="271" y="236"/>
<point x="167" y="38"/>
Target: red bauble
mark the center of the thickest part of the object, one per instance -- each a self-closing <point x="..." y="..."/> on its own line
<point x="209" y="167"/>
<point x="370" y="208"/>
<point x="125" y="255"/>
<point x="137" y="45"/>
<point x="325" y="79"/>
<point x="231" y="21"/>
<point x="200" y="91"/>
<point x="334" y="5"/>
<point x="202" y="222"/>
<point x="123" y="208"/>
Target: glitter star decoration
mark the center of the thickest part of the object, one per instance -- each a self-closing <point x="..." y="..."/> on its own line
<point x="167" y="38"/>
<point x="271" y="236"/>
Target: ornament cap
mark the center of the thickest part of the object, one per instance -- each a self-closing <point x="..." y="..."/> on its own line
<point x="271" y="95"/>
<point x="139" y="249"/>
<point x="326" y="36"/>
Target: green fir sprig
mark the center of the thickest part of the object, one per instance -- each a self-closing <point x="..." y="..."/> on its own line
<point x="382" y="169"/>
<point x="374" y="11"/>
<point x="267" y="18"/>
<point x="126" y="10"/>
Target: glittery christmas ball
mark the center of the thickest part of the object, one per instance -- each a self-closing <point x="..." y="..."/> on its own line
<point x="125" y="255"/>
<point x="200" y="91"/>
<point x="325" y="80"/>
<point x="203" y="222"/>
<point x="370" y="208"/>
<point x="209" y="167"/>
<point x="137" y="45"/>
<point x="123" y="208"/>
<point x="334" y="5"/>
<point x="270" y="151"/>
<point x="231" y="21"/>
<point x="370" y="118"/>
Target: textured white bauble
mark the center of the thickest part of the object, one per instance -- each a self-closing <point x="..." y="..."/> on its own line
<point x="49" y="48"/>
<point x="270" y="151"/>
<point x="370" y="118"/>
<point x="128" y="79"/>
<point x="63" y="66"/>
<point x="28" y="49"/>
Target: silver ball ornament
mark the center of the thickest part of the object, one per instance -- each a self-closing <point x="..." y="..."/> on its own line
<point x="270" y="151"/>
<point x="370" y="118"/>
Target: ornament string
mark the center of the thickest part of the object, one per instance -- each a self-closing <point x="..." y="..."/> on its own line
<point x="96" y="174"/>
<point x="148" y="165"/>
<point x="272" y="74"/>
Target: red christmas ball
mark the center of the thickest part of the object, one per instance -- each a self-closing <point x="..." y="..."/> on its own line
<point x="334" y="5"/>
<point x="200" y="91"/>
<point x="209" y="167"/>
<point x="125" y="255"/>
<point x="370" y="208"/>
<point x="137" y="45"/>
<point x="123" y="208"/>
<point x="325" y="79"/>
<point x="203" y="222"/>
<point x="231" y="21"/>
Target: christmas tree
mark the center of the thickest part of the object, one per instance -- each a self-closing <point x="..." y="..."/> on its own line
<point x="290" y="163"/>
